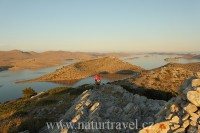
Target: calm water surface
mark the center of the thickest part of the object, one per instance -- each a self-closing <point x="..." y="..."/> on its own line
<point x="9" y="90"/>
<point x="152" y="61"/>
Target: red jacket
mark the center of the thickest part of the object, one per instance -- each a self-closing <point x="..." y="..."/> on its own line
<point x="97" y="77"/>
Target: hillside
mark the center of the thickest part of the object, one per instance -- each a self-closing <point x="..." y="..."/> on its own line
<point x="180" y="114"/>
<point x="196" y="57"/>
<point x="33" y="60"/>
<point x="32" y="113"/>
<point x="108" y="103"/>
<point x="88" y="68"/>
<point x="195" y="67"/>
<point x="163" y="79"/>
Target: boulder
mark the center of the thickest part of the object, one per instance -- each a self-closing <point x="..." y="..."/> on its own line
<point x="180" y="130"/>
<point x="190" y="108"/>
<point x="185" y="117"/>
<point x="195" y="82"/>
<point x="174" y="108"/>
<point x="175" y="119"/>
<point x="174" y="127"/>
<point x="162" y="127"/>
<point x="192" y="129"/>
<point x="198" y="89"/>
<point x="197" y="75"/>
<point x="186" y="124"/>
<point x="182" y="114"/>
<point x="194" y="97"/>
<point x="128" y="107"/>
<point x="169" y="116"/>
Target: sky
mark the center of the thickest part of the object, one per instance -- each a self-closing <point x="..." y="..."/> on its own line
<point x="100" y="25"/>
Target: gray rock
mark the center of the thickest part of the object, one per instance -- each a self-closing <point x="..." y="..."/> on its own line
<point x="112" y="103"/>
<point x="180" y="114"/>
<point x="26" y="131"/>
<point x="128" y="107"/>
<point x="149" y="119"/>
<point x="192" y="130"/>
<point x="169" y="116"/>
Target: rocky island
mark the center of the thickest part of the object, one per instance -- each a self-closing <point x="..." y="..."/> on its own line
<point x="3" y="68"/>
<point x="80" y="70"/>
<point x="172" y="59"/>
<point x="166" y="97"/>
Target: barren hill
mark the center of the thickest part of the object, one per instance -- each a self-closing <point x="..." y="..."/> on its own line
<point x="163" y="79"/>
<point x="196" y="57"/>
<point x="180" y="114"/>
<point x="31" y="60"/>
<point x="88" y="68"/>
<point x="195" y="67"/>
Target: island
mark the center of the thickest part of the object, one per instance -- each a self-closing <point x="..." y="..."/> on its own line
<point x="172" y="59"/>
<point x="3" y="68"/>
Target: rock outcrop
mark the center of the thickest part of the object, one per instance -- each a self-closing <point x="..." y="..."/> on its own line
<point x="195" y="67"/>
<point x="167" y="79"/>
<point x="180" y="114"/>
<point x="111" y="103"/>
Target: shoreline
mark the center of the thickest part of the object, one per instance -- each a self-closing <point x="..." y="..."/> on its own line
<point x="111" y="76"/>
<point x="84" y="69"/>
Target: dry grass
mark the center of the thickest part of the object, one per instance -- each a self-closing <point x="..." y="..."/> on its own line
<point x="32" y="114"/>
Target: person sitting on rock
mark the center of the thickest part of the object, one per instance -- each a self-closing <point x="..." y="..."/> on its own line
<point x="97" y="79"/>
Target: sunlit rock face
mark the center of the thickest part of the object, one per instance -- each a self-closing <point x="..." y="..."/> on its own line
<point x="180" y="114"/>
<point x="112" y="103"/>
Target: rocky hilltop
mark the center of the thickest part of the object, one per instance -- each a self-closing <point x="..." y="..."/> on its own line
<point x="113" y="103"/>
<point x="180" y="114"/>
<point x="166" y="79"/>
<point x="110" y="103"/>
<point x="194" y="67"/>
<point x="90" y="67"/>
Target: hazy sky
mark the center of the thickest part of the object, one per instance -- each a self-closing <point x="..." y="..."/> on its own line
<point x="100" y="25"/>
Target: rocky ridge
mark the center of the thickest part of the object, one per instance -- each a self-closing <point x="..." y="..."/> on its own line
<point x="194" y="67"/>
<point x="167" y="79"/>
<point x="114" y="104"/>
<point x="180" y="114"/>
